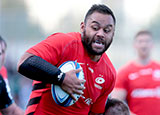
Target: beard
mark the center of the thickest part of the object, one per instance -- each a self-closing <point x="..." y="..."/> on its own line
<point x="87" y="42"/>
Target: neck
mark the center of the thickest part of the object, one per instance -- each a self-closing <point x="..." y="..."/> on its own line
<point x="143" y="61"/>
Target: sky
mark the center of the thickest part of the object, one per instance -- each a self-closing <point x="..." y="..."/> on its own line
<point x="141" y="10"/>
<point x="47" y="13"/>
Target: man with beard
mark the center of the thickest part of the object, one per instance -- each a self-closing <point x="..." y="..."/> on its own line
<point x="88" y="48"/>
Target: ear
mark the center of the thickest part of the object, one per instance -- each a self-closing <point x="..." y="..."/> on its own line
<point x="82" y="27"/>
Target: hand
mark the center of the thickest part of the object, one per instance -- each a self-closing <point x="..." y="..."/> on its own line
<point x="71" y="84"/>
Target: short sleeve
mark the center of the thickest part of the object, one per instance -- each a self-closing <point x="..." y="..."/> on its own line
<point x="51" y="48"/>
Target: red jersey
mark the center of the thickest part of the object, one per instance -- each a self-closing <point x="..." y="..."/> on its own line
<point x="3" y="72"/>
<point x="142" y="84"/>
<point x="99" y="76"/>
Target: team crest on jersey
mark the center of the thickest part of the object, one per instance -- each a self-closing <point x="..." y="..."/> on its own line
<point x="99" y="80"/>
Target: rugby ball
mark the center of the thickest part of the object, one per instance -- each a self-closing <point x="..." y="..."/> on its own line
<point x="61" y="97"/>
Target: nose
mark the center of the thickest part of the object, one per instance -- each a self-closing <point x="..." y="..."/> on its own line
<point x="100" y="33"/>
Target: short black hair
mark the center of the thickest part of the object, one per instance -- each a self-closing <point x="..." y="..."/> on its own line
<point x="101" y="8"/>
<point x="116" y="107"/>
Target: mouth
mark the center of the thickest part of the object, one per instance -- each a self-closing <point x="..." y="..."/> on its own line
<point x="99" y="44"/>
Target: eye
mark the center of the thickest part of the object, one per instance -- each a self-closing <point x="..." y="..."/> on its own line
<point x="106" y="30"/>
<point x="95" y="28"/>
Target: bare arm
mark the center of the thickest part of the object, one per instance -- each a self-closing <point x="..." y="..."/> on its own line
<point x="13" y="109"/>
<point x="25" y="56"/>
<point x="119" y="93"/>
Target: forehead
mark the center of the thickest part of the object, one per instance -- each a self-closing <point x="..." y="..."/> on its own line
<point x="144" y="37"/>
<point x="101" y="18"/>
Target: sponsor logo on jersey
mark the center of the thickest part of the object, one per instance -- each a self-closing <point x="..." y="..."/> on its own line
<point x="154" y="73"/>
<point x="141" y="72"/>
<point x="146" y="92"/>
<point x="97" y="86"/>
<point x="147" y="71"/>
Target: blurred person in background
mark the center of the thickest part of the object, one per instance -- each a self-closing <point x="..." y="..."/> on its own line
<point x="7" y="105"/>
<point x="116" y="107"/>
<point x="138" y="82"/>
<point x="41" y="63"/>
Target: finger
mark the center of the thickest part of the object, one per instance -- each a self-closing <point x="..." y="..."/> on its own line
<point x="76" y="64"/>
<point x="82" y="81"/>
<point x="79" y="92"/>
<point x="78" y="70"/>
<point x="79" y="87"/>
<point x="73" y="97"/>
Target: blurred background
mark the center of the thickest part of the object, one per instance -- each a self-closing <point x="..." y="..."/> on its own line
<point x="23" y="23"/>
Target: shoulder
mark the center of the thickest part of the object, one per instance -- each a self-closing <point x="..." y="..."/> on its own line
<point x="3" y="72"/>
<point x="128" y="66"/>
<point x="109" y="64"/>
<point x="156" y="63"/>
<point x="62" y="39"/>
<point x="65" y="36"/>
